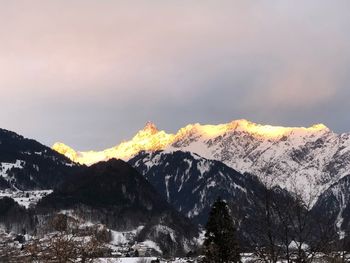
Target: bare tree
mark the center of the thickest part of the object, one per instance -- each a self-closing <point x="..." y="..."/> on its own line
<point x="307" y="232"/>
<point x="68" y="243"/>
<point x="285" y="227"/>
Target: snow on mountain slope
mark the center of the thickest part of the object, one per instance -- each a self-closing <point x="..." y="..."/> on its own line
<point x="334" y="205"/>
<point x="26" y="164"/>
<point x="149" y="139"/>
<point x="191" y="183"/>
<point x="306" y="160"/>
<point x="25" y="198"/>
<point x="296" y="159"/>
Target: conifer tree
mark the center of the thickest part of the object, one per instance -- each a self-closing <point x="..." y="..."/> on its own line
<point x="220" y="244"/>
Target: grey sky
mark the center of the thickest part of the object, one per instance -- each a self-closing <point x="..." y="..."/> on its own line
<point x="91" y="73"/>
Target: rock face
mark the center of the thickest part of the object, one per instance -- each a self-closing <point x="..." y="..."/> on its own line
<point x="334" y="205"/>
<point x="28" y="165"/>
<point x="306" y="160"/>
<point x="115" y="194"/>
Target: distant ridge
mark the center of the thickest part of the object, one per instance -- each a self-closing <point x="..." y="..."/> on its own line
<point x="298" y="159"/>
<point x="151" y="139"/>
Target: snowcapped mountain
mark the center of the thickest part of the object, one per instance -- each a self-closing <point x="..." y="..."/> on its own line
<point x="147" y="139"/>
<point x="37" y="182"/>
<point x="303" y="160"/>
<point x="192" y="183"/>
<point x="306" y="160"/>
<point x="28" y="165"/>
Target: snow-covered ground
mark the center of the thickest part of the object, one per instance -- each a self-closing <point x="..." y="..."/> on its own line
<point x="25" y="198"/>
<point x="125" y="260"/>
<point x="6" y="167"/>
<point x="141" y="260"/>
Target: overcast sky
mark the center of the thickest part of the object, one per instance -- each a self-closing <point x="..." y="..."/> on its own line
<point x="91" y="73"/>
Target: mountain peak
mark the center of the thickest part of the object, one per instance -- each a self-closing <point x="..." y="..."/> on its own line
<point x="152" y="139"/>
<point x="320" y="127"/>
<point x="273" y="132"/>
<point x="150" y="127"/>
<point x="65" y="150"/>
<point x="62" y="147"/>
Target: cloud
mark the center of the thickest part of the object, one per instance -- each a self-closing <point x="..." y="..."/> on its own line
<point x="90" y="72"/>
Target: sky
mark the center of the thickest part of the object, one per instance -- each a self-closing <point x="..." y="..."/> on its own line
<point x="91" y="73"/>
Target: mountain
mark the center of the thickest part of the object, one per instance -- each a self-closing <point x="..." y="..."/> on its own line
<point x="116" y="195"/>
<point x="110" y="193"/>
<point x="306" y="160"/>
<point x="334" y="205"/>
<point x="192" y="183"/>
<point x="26" y="164"/>
<point x="147" y="139"/>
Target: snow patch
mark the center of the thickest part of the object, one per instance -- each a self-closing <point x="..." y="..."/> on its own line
<point x="25" y="198"/>
<point x="6" y="167"/>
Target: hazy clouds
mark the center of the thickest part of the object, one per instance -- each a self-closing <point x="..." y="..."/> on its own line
<point x="90" y="73"/>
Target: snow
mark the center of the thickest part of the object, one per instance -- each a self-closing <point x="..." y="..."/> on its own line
<point x="25" y="198"/>
<point x="342" y="201"/>
<point x="123" y="237"/>
<point x="6" y="167"/>
<point x="124" y="260"/>
<point x="275" y="161"/>
<point x="166" y="230"/>
<point x="211" y="184"/>
<point x="200" y="239"/>
<point x="167" y="177"/>
<point x="153" y="245"/>
<point x="203" y="166"/>
<point x="296" y="159"/>
<point x="294" y="245"/>
<point x="247" y="257"/>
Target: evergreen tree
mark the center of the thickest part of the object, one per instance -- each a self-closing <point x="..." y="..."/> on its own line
<point x="220" y="244"/>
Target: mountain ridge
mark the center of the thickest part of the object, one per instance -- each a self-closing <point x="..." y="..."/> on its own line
<point x="297" y="159"/>
<point x="26" y="164"/>
<point x="151" y="139"/>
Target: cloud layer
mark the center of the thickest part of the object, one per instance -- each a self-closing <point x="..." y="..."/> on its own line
<point x="90" y="73"/>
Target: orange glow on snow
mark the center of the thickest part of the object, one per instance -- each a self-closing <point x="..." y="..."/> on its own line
<point x="273" y="132"/>
<point x="151" y="139"/>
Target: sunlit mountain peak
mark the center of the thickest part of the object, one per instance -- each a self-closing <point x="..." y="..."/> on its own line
<point x="273" y="132"/>
<point x="66" y="150"/>
<point x="151" y="139"/>
<point x="203" y="130"/>
<point x="149" y="128"/>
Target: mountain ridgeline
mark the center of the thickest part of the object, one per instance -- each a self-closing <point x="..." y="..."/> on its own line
<point x="192" y="183"/>
<point x="116" y="195"/>
<point x="110" y="193"/>
<point x="167" y="183"/>
<point x="308" y="160"/>
<point x="26" y="164"/>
